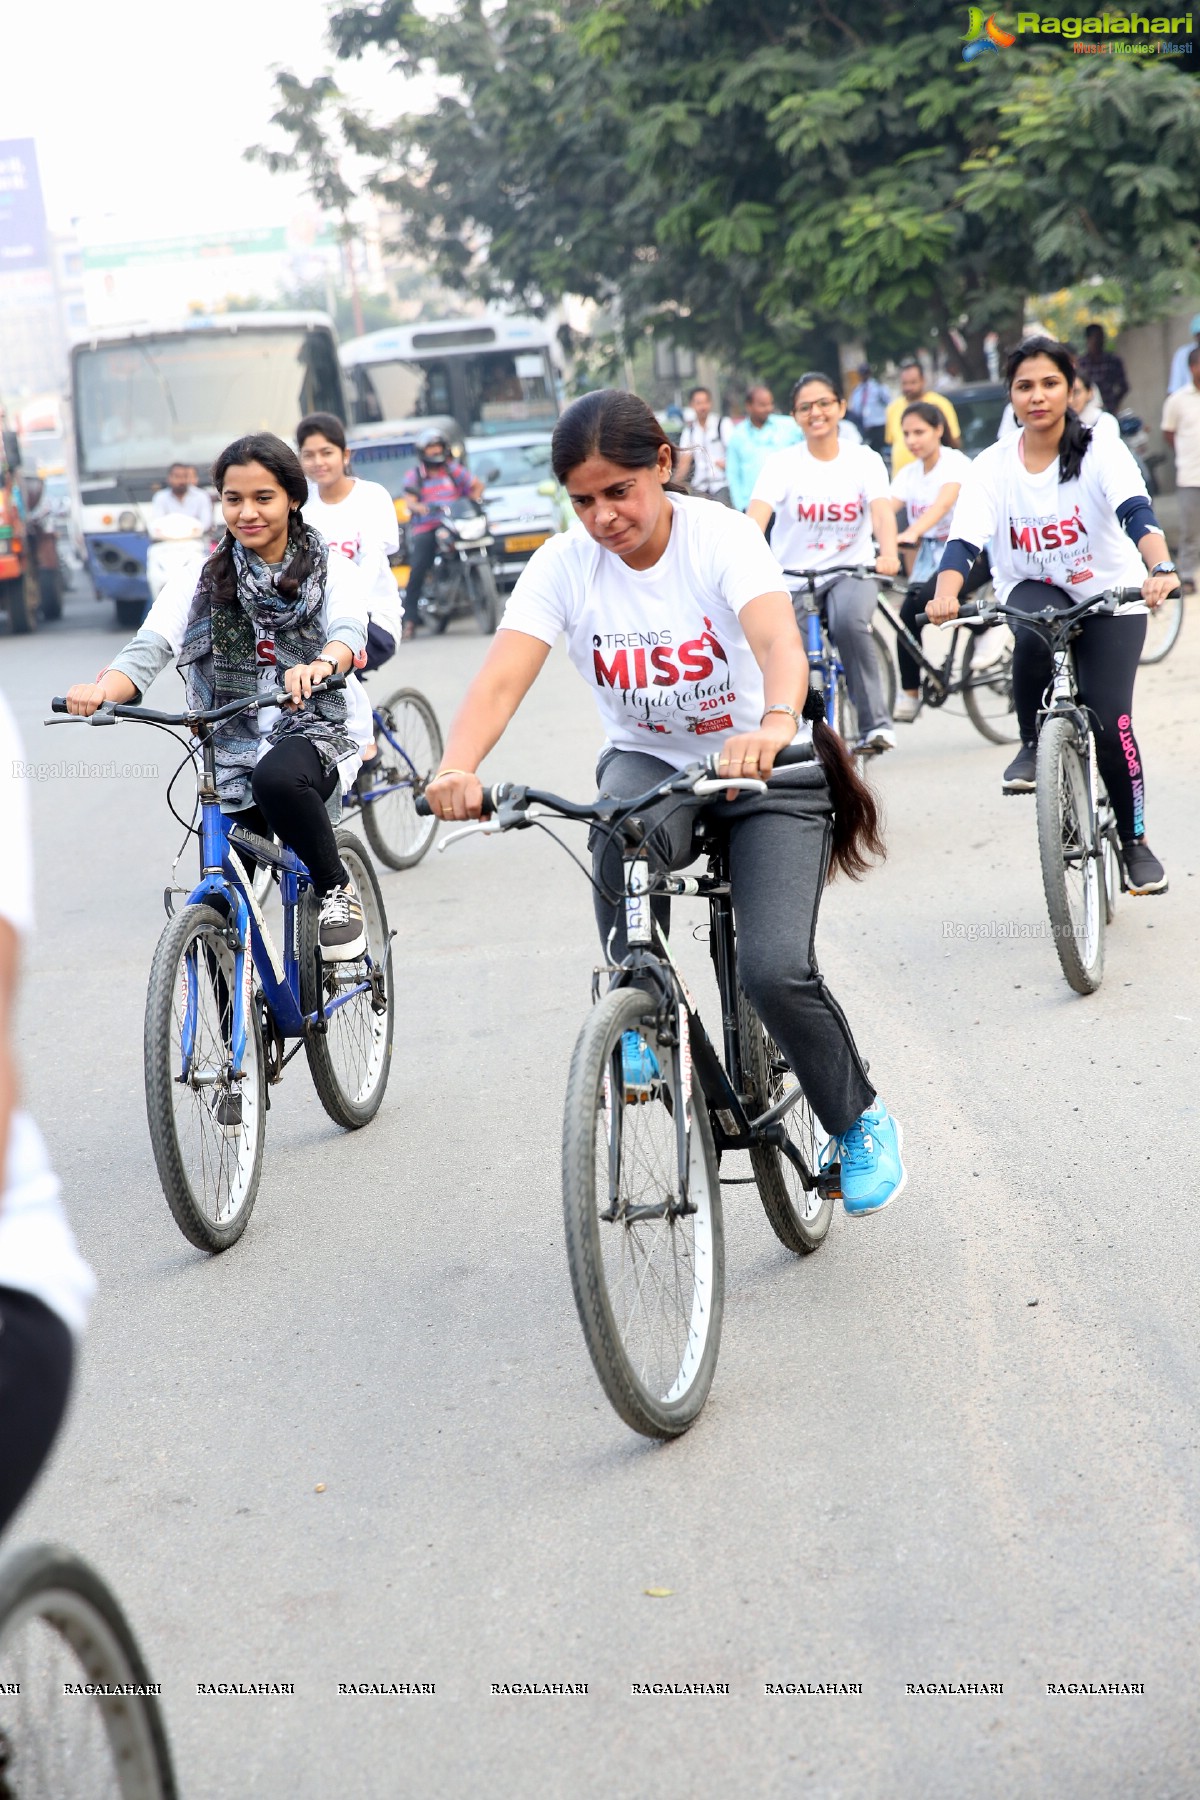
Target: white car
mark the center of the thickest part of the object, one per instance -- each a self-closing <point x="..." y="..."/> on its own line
<point x="523" y="501"/>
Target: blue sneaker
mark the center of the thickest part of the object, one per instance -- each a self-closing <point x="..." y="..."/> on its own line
<point x="869" y="1152"/>
<point x="639" y="1068"/>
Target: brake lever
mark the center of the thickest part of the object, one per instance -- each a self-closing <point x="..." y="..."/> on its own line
<point x="103" y="715"/>
<point x="477" y="828"/>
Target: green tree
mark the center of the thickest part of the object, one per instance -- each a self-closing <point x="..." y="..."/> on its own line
<point x="752" y="177"/>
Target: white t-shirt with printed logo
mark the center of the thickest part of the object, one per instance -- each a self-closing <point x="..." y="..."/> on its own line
<point x="660" y="648"/>
<point x="918" y="487"/>
<point x="38" y="1255"/>
<point x="1042" y="529"/>
<point x="822" y="509"/>
<point x="364" y="528"/>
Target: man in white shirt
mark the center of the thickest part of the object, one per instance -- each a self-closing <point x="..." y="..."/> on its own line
<point x="702" y="443"/>
<point x="1181" y="429"/>
<point x="1179" y="376"/>
<point x="182" y="495"/>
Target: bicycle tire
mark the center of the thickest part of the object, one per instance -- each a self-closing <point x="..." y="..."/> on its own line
<point x="50" y="603"/>
<point x="394" y="831"/>
<point x="1162" y="630"/>
<point x="847" y="712"/>
<point x="800" y="1224"/>
<point x="1071" y="872"/>
<point x="57" y="1615"/>
<point x="485" y="596"/>
<point x="15" y="600"/>
<point x="350" y="1060"/>
<point x="210" y="1161"/>
<point x="664" y="1401"/>
<point x="999" y="684"/>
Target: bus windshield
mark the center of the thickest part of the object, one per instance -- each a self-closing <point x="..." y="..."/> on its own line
<point x="142" y="404"/>
<point x="488" y="391"/>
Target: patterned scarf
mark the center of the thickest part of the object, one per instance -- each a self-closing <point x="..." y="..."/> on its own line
<point x="218" y="659"/>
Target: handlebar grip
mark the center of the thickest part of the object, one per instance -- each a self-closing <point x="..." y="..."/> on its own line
<point x="968" y="610"/>
<point x="58" y="704"/>
<point x="792" y="754"/>
<point x="921" y="621"/>
<point x="491" y="801"/>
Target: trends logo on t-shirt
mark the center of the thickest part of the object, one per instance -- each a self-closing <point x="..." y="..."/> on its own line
<point x="631" y="655"/>
<point x="1046" y="532"/>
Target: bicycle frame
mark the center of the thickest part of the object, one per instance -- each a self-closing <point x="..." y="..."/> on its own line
<point x="356" y="800"/>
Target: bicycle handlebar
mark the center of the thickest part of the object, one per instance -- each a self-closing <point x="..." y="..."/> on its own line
<point x="863" y="570"/>
<point x="108" y="712"/>
<point x="1112" y="600"/>
<point x="512" y="801"/>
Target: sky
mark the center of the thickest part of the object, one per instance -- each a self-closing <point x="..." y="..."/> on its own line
<point x="141" y="110"/>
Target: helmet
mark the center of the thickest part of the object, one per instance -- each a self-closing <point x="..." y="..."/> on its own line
<point x="431" y="435"/>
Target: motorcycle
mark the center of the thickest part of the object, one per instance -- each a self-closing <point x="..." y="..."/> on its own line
<point x="178" y="546"/>
<point x="461" y="579"/>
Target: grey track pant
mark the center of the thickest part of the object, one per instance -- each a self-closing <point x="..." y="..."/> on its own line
<point x="850" y="607"/>
<point x="778" y="857"/>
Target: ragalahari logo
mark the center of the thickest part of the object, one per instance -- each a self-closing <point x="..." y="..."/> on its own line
<point x="983" y="35"/>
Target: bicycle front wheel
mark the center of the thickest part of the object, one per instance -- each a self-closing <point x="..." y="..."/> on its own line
<point x="647" y="1265"/>
<point x="485" y="596"/>
<point x="1163" y="626"/>
<point x="799" y="1214"/>
<point x="409" y="742"/>
<point x="987" y="685"/>
<point x="1071" y="861"/>
<point x="78" y="1717"/>
<point x="351" y="1058"/>
<point x="207" y="1129"/>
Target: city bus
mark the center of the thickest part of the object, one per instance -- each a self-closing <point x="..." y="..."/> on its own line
<point x="145" y="396"/>
<point x="491" y="374"/>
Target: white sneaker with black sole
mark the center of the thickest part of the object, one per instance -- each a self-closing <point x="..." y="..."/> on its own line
<point x="341" y="932"/>
<point x="876" y="742"/>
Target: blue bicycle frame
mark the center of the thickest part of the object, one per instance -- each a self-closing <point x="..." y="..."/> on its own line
<point x="360" y="799"/>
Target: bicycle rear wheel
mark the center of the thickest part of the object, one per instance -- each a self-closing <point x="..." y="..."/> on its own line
<point x="987" y="683"/>
<point x="349" y="1060"/>
<point x="394" y="831"/>
<point x="61" y="1631"/>
<point x="1163" y="626"/>
<point x="206" y="1129"/>
<point x="648" y="1276"/>
<point x="800" y="1217"/>
<point x="1071" y="861"/>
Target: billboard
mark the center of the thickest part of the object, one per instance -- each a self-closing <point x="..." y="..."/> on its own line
<point x="23" y="242"/>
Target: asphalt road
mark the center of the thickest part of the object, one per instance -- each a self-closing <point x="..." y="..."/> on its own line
<point x="959" y="1445"/>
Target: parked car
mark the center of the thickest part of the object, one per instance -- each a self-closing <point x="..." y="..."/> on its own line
<point x="980" y="407"/>
<point x="524" y="503"/>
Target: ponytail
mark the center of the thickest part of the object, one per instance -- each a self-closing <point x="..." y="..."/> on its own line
<point x="1076" y="437"/>
<point x="857" y="826"/>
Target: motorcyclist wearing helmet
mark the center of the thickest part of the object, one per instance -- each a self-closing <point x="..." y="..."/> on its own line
<point x="435" y="480"/>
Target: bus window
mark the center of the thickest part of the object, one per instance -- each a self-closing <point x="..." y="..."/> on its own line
<point x="322" y="390"/>
<point x="401" y="390"/>
<point x="509" y="388"/>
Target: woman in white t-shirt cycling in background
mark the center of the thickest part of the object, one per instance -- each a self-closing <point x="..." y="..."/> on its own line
<point x="927" y="488"/>
<point x="827" y="497"/>
<point x="1067" y="515"/>
<point x="677" y="620"/>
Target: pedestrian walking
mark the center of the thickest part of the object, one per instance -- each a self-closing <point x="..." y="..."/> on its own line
<point x="1181" y="429"/>
<point x="760" y="433"/>
<point x="702" y="444"/>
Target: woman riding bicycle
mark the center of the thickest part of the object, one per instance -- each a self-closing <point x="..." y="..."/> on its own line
<point x="1063" y="509"/>
<point x="927" y="487"/>
<point x="677" y="620"/>
<point x="827" y="496"/>
<point x="272" y="607"/>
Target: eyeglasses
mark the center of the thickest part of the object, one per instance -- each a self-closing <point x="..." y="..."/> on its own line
<point x="807" y="406"/>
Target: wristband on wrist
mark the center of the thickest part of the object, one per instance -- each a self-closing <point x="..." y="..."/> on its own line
<point x="464" y="772"/>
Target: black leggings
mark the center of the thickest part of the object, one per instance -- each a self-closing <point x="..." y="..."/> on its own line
<point x="290" y="787"/>
<point x="36" y="1354"/>
<point x="1106" y="662"/>
<point x="917" y="600"/>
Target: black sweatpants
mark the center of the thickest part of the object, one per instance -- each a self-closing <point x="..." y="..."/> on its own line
<point x="1106" y="664"/>
<point x="424" y="550"/>
<point x="917" y="600"/>
<point x="290" y="787"/>
<point x="36" y="1354"/>
<point x="778" y="859"/>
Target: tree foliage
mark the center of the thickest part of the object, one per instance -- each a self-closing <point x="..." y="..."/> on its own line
<point x="745" y="174"/>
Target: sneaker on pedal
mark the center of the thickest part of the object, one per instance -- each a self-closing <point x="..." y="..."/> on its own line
<point x="873" y="1171"/>
<point x="1144" y="874"/>
<point x="227" y="1111"/>
<point x="341" y="932"/>
<point x="906" y="709"/>
<point x="876" y="741"/>
<point x="639" y="1068"/>
<point x="1020" y="777"/>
